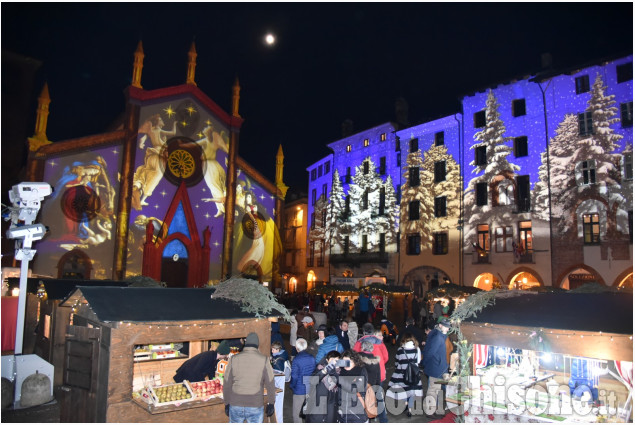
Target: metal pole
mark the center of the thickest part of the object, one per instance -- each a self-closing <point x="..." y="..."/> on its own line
<point x="19" y="330"/>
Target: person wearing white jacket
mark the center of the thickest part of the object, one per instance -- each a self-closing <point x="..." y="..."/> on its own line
<point x="293" y="333"/>
<point x="353" y="331"/>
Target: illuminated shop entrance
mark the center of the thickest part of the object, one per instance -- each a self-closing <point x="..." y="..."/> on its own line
<point x="579" y="277"/>
<point x="487" y="282"/>
<point x="626" y="283"/>
<point x="523" y="280"/>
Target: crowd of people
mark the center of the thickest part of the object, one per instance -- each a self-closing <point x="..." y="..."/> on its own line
<point x="337" y="371"/>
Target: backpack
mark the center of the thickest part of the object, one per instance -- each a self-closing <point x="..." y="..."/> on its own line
<point x="411" y="373"/>
<point x="369" y="402"/>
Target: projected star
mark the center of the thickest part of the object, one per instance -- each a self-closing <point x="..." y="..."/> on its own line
<point x="190" y="109"/>
<point x="170" y="111"/>
<point x="184" y="123"/>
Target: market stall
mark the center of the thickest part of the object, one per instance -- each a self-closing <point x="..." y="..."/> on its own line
<point x="544" y="357"/>
<point x="447" y="294"/>
<point x="124" y="347"/>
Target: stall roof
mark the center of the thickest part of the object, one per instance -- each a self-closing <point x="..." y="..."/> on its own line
<point x="114" y="304"/>
<point x="606" y="312"/>
<point x="58" y="289"/>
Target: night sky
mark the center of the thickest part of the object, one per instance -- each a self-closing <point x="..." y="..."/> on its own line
<point x="330" y="61"/>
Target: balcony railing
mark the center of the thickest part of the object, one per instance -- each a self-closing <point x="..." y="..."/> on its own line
<point x="359" y="258"/>
<point x="482" y="258"/>
<point x="526" y="258"/>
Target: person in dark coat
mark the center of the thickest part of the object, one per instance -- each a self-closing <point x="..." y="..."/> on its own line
<point x="416" y="306"/>
<point x="275" y="332"/>
<point x="342" y="335"/>
<point x="202" y="365"/>
<point x="353" y="379"/>
<point x="302" y="367"/>
<point x="412" y="329"/>
<point x="324" y="388"/>
<point x="434" y="361"/>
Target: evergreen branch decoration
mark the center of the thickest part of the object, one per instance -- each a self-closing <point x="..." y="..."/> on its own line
<point x="473" y="304"/>
<point x="141" y="281"/>
<point x="374" y="288"/>
<point x="251" y="296"/>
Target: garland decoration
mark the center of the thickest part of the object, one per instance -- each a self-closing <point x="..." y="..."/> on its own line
<point x="251" y="296"/>
<point x="374" y="288"/>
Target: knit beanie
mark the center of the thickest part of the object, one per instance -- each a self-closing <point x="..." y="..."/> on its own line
<point x="252" y="340"/>
<point x="223" y="348"/>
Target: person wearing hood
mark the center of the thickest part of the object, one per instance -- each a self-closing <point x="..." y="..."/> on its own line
<point x="379" y="349"/>
<point x="247" y="375"/>
<point x="409" y="352"/>
<point x="353" y="380"/>
<point x="330" y="343"/>
<point x="371" y="363"/>
<point x="323" y="397"/>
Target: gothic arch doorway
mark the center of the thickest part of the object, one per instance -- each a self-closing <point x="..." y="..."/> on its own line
<point x="175" y="265"/>
<point x="74" y="264"/>
<point x="423" y="279"/>
<point x="523" y="280"/>
<point x="487" y="282"/>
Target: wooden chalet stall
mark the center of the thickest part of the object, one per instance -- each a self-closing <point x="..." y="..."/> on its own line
<point x="50" y="332"/>
<point x="100" y="367"/>
<point x="538" y="341"/>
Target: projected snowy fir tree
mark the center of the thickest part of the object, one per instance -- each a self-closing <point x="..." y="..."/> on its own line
<point x="584" y="170"/>
<point x="497" y="175"/>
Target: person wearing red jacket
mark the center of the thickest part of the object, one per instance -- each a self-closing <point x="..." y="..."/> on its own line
<point x="379" y="349"/>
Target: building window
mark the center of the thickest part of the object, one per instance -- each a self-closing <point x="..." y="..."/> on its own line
<point x="346" y="244"/>
<point x="349" y="148"/>
<point x="479" y="119"/>
<point x="628" y="165"/>
<point x="413" y="176"/>
<point x="588" y="171"/>
<point x="313" y="174"/>
<point x="347" y="207"/>
<point x="480" y="155"/>
<point x="582" y="84"/>
<point x="520" y="146"/>
<point x="365" y="200"/>
<point x="481" y="194"/>
<point x="414" y="245"/>
<point x="327" y="167"/>
<point x="382" y="242"/>
<point x="312" y="221"/>
<point x="627" y="114"/>
<point x="366" y="167"/>
<point x="440" y="206"/>
<point x="504" y="239"/>
<point x="382" y="200"/>
<point x="439" y="171"/>
<point x="398" y="159"/>
<point x="364" y="243"/>
<point x="440" y="244"/>
<point x="324" y="217"/>
<point x="348" y="174"/>
<point x="522" y="186"/>
<point x="320" y="260"/>
<point x="366" y="142"/>
<point x="414" y="145"/>
<point x="382" y="165"/>
<point x="505" y="193"/>
<point x="397" y="144"/>
<point x="624" y="72"/>
<point x="585" y="123"/>
<point x="320" y="171"/>
<point x="324" y="190"/>
<point x="413" y="210"/>
<point x="313" y="197"/>
<point x="382" y="137"/>
<point x="309" y="261"/>
<point x="591" y="228"/>
<point x="439" y="138"/>
<point x="483" y="236"/>
<point x="525" y="236"/>
<point x="518" y="107"/>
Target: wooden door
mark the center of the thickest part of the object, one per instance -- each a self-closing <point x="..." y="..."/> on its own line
<point x="81" y="373"/>
<point x="175" y="273"/>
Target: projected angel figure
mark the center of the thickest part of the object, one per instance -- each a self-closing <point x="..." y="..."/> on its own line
<point x="256" y="252"/>
<point x="148" y="175"/>
<point x="214" y="172"/>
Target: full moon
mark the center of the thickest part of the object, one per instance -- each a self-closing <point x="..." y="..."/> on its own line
<point x="270" y="39"/>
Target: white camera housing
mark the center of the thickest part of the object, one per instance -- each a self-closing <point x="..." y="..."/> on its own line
<point x="33" y="232"/>
<point x="26" y="198"/>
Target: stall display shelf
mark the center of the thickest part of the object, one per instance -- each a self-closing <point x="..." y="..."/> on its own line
<point x="184" y="396"/>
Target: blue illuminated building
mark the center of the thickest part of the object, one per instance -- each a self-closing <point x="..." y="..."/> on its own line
<point x="530" y="184"/>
